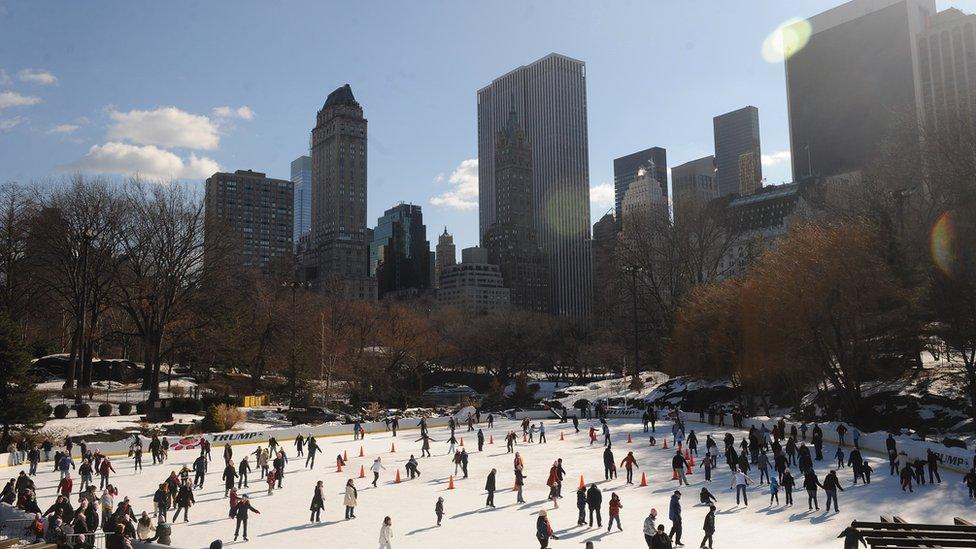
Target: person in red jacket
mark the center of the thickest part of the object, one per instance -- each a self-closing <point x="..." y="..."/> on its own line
<point x="629" y="463"/>
<point x="104" y="470"/>
<point x="65" y="486"/>
<point x="553" y="483"/>
<point x="615" y="507"/>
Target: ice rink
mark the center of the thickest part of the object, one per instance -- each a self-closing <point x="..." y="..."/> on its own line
<point x="284" y="518"/>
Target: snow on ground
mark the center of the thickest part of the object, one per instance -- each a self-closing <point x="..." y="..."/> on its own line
<point x="82" y="426"/>
<point x="284" y="515"/>
<point x="612" y="388"/>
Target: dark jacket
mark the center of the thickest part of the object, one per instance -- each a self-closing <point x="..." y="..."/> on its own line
<point x="594" y="497"/>
<point x="490" y="483"/>
<point x="709" y="526"/>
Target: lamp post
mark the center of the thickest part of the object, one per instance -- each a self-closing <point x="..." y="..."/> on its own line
<point x="294" y="285"/>
<point x="634" y="270"/>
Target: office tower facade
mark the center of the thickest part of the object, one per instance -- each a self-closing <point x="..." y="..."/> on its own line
<point x="473" y="285"/>
<point x="301" y="178"/>
<point x="737" y="151"/>
<point x="446" y="254"/>
<point x="253" y="210"/>
<point x="855" y="85"/>
<point x="510" y="241"/>
<point x="400" y="253"/>
<point x="625" y="171"/>
<point x="337" y="259"/>
<point x="549" y="98"/>
<point x="947" y="68"/>
<point x="693" y="185"/>
<point x="644" y="206"/>
<point x="604" y="247"/>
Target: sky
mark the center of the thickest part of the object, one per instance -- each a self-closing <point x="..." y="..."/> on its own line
<point x="183" y="89"/>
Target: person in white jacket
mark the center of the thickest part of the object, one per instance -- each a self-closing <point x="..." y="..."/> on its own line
<point x="386" y="534"/>
<point x="376" y="468"/>
<point x="739" y="481"/>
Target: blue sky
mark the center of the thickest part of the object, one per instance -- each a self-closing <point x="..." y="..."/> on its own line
<point x="182" y="88"/>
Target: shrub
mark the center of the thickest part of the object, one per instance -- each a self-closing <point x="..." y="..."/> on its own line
<point x="177" y="391"/>
<point x="141" y="407"/>
<point x="104" y="409"/>
<point x="84" y="410"/>
<point x="177" y="405"/>
<point x="48" y="410"/>
<point x="220" y="417"/>
<point x="191" y="406"/>
<point x="125" y="409"/>
<point x="61" y="411"/>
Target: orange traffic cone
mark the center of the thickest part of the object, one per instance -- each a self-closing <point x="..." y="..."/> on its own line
<point x="361" y="453"/>
<point x="397" y="480"/>
<point x="688" y="468"/>
<point x="450" y="482"/>
<point x="345" y="456"/>
<point x="643" y="479"/>
<point x="392" y="448"/>
<point x="491" y="439"/>
<point x="665" y="447"/>
<point x="690" y="458"/>
<point x="582" y="484"/>
<point x="629" y="440"/>
<point x="561" y="435"/>
<point x="674" y="474"/>
<point x="461" y="444"/>
<point x="338" y="466"/>
<point x="362" y="472"/>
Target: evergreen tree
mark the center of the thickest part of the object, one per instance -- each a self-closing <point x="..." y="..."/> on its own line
<point x="20" y="402"/>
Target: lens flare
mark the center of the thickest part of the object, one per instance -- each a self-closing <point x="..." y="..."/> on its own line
<point x="563" y="214"/>
<point x="942" y="243"/>
<point x="788" y="38"/>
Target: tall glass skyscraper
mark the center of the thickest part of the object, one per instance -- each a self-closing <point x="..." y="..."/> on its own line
<point x="548" y="97"/>
<point x="737" y="151"/>
<point x="399" y="254"/>
<point x="301" y="176"/>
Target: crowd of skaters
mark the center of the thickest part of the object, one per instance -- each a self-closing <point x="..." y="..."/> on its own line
<point x="66" y="522"/>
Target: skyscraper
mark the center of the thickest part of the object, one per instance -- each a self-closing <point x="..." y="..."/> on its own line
<point x="855" y="85"/>
<point x="737" y="151"/>
<point x="625" y="170"/>
<point x="947" y="68"/>
<point x="510" y="242"/>
<point x="446" y="255"/>
<point x="693" y="184"/>
<point x="645" y="207"/>
<point x="474" y="285"/>
<point x="337" y="258"/>
<point x="604" y="249"/>
<point x="400" y="253"/>
<point x="549" y="98"/>
<point x="255" y="211"/>
<point x="301" y="177"/>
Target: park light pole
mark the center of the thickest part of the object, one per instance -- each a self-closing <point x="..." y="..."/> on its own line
<point x="634" y="270"/>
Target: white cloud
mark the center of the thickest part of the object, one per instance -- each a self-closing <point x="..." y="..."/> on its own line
<point x="64" y="128"/>
<point x="776" y="158"/>
<point x="147" y="161"/>
<point x="14" y="99"/>
<point x="244" y="112"/>
<point x="37" y="76"/>
<point x="7" y="124"/>
<point x="4" y="78"/>
<point x="166" y="127"/>
<point x="463" y="194"/>
<point x="601" y="197"/>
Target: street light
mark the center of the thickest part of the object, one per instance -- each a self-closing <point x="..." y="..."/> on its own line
<point x="634" y="270"/>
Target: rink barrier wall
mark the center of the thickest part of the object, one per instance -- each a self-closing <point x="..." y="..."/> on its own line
<point x="217" y="440"/>
<point x="10" y="513"/>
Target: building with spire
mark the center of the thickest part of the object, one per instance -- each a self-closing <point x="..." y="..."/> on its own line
<point x="511" y="240"/>
<point x="445" y="255"/>
<point x="336" y="260"/>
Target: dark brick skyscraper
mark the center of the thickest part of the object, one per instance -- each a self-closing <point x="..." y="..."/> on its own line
<point x="511" y="240"/>
<point x="337" y="258"/>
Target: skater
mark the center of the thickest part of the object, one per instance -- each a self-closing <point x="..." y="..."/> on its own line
<point x="674" y="515"/>
<point x="678" y="466"/>
<point x="650" y="525"/>
<point x="906" y="478"/>
<point x="376" y="468"/>
<point x="553" y="483"/>
<point x="481" y="440"/>
<point x="228" y="477"/>
<point x="270" y="479"/>
<point x="810" y="484"/>
<point x="318" y="503"/>
<point x="234" y="500"/>
<point x="970" y="481"/>
<point x="576" y="423"/>
<point x="519" y="483"/>
<point x="349" y="499"/>
<point x="581" y="505"/>
<point x="594" y="498"/>
<point x="709" y="527"/>
<point x="425" y="447"/>
<point x="199" y="470"/>
<point x="386" y="533"/>
<point x="542" y="433"/>
<point x="184" y="500"/>
<point x="852" y="537"/>
<point x="490" y="488"/>
<point x="104" y="470"/>
<point x="830" y="485"/>
<point x="614" y="513"/>
<point x="788" y="484"/>
<point x="300" y="445"/>
<point x="543" y="530"/>
<point x="739" y="481"/>
<point x="491" y="421"/>
<point x="773" y="491"/>
<point x="592" y="435"/>
<point x="161" y="499"/>
<point x="242" y="470"/>
<point x="411" y="467"/>
<point x="609" y="467"/>
<point x="706" y="497"/>
<point x="839" y="456"/>
<point x="841" y="431"/>
<point x="137" y="457"/>
<point x="279" y="467"/>
<point x="439" y="510"/>
<point x="464" y="462"/>
<point x="313" y="448"/>
<point x="243" y="506"/>
<point x="629" y="463"/>
<point x="933" y="461"/>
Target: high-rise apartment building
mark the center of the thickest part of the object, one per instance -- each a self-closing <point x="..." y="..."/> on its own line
<point x="474" y="285"/>
<point x="625" y="168"/>
<point x="337" y="258"/>
<point x="644" y="207"/>
<point x="510" y="241"/>
<point x="855" y="85"/>
<point x="693" y="185"/>
<point x="737" y="151"/>
<point x="549" y="98"/>
<point x="604" y="248"/>
<point x="254" y="211"/>
<point x="301" y="177"/>
<point x="947" y="68"/>
<point x="446" y="254"/>
<point x="400" y="253"/>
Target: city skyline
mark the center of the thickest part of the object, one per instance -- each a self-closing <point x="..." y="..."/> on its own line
<point x="232" y="113"/>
